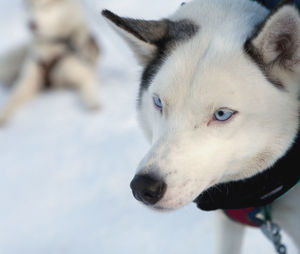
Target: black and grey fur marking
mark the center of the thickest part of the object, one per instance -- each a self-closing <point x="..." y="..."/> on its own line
<point x="177" y="31"/>
<point x="283" y="46"/>
<point x="256" y="56"/>
<point x="147" y="31"/>
<point x="162" y="34"/>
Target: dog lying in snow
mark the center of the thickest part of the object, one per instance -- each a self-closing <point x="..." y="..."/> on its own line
<point x="219" y="102"/>
<point x="63" y="53"/>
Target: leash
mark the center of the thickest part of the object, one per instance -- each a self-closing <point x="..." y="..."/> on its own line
<point x="272" y="231"/>
<point x="260" y="217"/>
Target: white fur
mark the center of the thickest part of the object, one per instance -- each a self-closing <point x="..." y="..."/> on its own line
<point x="190" y="150"/>
<point x="53" y="20"/>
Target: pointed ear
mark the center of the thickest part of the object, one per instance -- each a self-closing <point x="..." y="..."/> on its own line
<point x="276" y="45"/>
<point x="141" y="35"/>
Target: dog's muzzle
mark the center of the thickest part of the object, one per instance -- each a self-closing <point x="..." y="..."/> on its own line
<point x="148" y="189"/>
<point x="32" y="26"/>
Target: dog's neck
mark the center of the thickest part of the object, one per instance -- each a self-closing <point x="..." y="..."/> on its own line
<point x="67" y="42"/>
<point x="259" y="190"/>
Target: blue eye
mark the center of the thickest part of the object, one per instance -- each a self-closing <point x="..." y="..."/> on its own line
<point x="157" y="101"/>
<point x="223" y="114"/>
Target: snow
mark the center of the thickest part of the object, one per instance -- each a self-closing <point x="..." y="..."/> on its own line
<point x="65" y="172"/>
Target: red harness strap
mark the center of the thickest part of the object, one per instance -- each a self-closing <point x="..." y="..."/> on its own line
<point x="247" y="216"/>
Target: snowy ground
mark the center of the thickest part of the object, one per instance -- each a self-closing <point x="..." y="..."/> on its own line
<point x="65" y="172"/>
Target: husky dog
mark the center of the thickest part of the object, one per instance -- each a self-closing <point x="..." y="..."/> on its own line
<point x="219" y="102"/>
<point x="63" y="53"/>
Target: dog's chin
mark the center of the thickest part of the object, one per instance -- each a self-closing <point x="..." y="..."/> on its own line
<point x="168" y="206"/>
<point x="174" y="200"/>
<point x="160" y="209"/>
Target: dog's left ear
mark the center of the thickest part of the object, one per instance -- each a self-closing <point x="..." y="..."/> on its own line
<point x="141" y="35"/>
<point x="276" y="45"/>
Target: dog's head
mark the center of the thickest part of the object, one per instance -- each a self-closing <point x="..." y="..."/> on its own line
<point x="53" y="19"/>
<point x="219" y="95"/>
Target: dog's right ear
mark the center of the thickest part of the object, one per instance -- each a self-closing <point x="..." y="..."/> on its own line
<point x="141" y="35"/>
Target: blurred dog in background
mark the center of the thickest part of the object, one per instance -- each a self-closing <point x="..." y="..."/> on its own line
<point x="63" y="53"/>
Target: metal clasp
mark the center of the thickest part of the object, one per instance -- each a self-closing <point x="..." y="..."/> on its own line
<point x="273" y="232"/>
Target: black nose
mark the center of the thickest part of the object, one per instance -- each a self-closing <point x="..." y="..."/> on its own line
<point x="147" y="189"/>
<point x="32" y="26"/>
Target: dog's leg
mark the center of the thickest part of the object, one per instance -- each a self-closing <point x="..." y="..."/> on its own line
<point x="80" y="75"/>
<point x="26" y="87"/>
<point x="229" y="236"/>
<point x="89" y="92"/>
